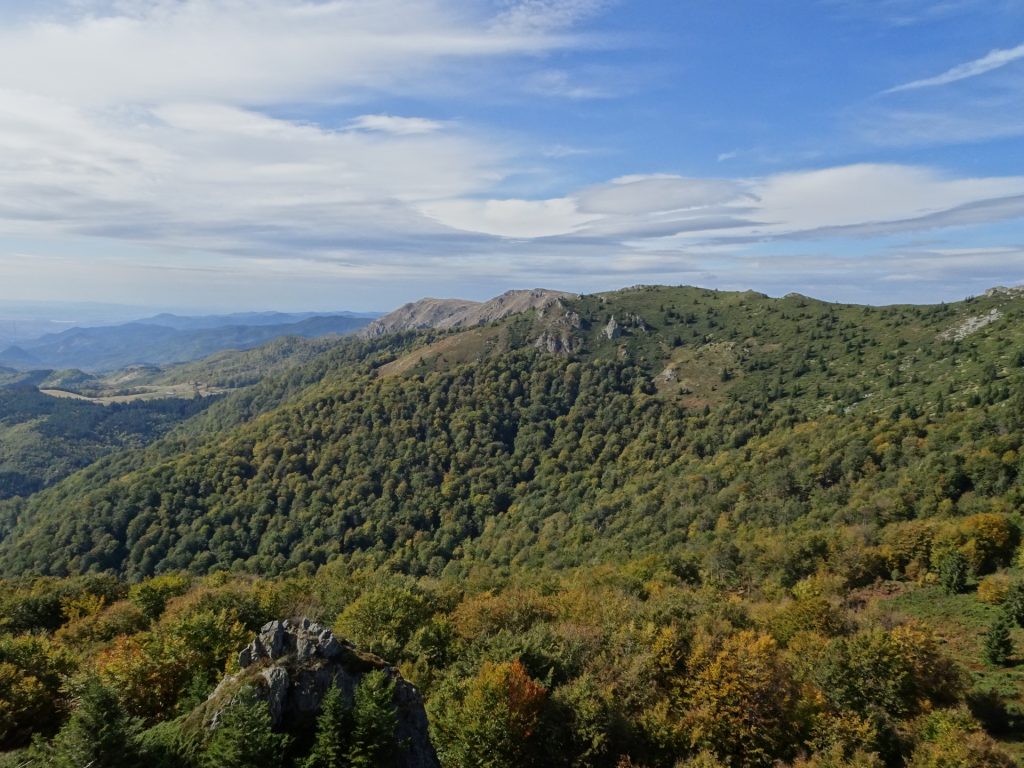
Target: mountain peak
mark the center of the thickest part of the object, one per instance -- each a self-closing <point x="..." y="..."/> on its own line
<point x="447" y="314"/>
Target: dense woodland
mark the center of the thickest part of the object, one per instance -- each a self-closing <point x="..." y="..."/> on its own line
<point x="44" y="439"/>
<point x="731" y="530"/>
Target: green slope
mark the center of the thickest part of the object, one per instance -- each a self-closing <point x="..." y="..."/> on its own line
<point x="780" y="415"/>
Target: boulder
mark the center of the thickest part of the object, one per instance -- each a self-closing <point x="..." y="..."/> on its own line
<point x="292" y="665"/>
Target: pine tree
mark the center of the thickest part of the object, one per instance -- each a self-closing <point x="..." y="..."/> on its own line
<point x="374" y="720"/>
<point x="1014" y="603"/>
<point x="243" y="737"/>
<point x="953" y="572"/>
<point x="99" y="734"/>
<point x="998" y="645"/>
<point x="333" y="730"/>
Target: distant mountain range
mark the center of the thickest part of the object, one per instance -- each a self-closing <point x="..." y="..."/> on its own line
<point x="167" y="338"/>
<point x="246" y="319"/>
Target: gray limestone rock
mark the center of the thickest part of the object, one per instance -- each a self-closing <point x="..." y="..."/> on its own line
<point x="612" y="330"/>
<point x="292" y="665"/>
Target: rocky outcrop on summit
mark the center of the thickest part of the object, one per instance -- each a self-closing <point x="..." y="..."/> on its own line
<point x="418" y="316"/>
<point x="448" y="314"/>
<point x="292" y="665"/>
<point x="1012" y="291"/>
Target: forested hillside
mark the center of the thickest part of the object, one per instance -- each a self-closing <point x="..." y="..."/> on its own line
<point x="653" y="527"/>
<point x="44" y="439"/>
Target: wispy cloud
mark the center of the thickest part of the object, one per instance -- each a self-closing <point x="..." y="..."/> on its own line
<point x="993" y="60"/>
<point x="159" y="136"/>
<point x="654" y="211"/>
<point x="263" y="52"/>
<point x="908" y="13"/>
<point x="531" y="16"/>
<point x="558" y="83"/>
<point x="399" y="126"/>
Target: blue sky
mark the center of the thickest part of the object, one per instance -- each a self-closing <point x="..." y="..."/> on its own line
<point x="292" y="154"/>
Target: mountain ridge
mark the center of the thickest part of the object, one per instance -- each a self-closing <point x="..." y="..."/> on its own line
<point x="448" y="314"/>
<point x="748" y="363"/>
<point x="109" y="348"/>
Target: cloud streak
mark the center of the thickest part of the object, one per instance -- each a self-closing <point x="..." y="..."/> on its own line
<point x="650" y="211"/>
<point x="264" y="52"/>
<point x="994" y="60"/>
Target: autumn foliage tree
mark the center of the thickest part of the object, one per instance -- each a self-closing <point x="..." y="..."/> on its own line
<point x="742" y="701"/>
<point x="490" y="720"/>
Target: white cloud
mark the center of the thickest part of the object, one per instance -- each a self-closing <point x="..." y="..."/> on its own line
<point x="869" y="194"/>
<point x="220" y="179"/>
<point x="531" y="16"/>
<point x="399" y="126"/>
<point x="519" y="219"/>
<point x="154" y="129"/>
<point x="224" y="178"/>
<point x="653" y="193"/>
<point x="993" y="60"/>
<point x="849" y="201"/>
<point x="258" y="52"/>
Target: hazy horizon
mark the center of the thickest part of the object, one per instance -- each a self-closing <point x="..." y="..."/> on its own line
<point x="93" y="314"/>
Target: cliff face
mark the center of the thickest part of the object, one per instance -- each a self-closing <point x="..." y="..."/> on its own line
<point x="293" y="664"/>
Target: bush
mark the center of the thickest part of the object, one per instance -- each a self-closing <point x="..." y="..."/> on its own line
<point x="384" y="617"/>
<point x="993" y="590"/>
<point x="949" y="738"/>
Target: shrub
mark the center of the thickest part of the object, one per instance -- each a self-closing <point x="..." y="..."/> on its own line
<point x="994" y="589"/>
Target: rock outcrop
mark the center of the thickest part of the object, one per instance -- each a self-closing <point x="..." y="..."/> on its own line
<point x="612" y="330"/>
<point x="1002" y="290"/>
<point x="448" y="314"/>
<point x="292" y="665"/>
<point x="971" y="325"/>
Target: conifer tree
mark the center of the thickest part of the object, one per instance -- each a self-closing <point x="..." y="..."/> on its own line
<point x="374" y="720"/>
<point x="243" y="738"/>
<point x="99" y="734"/>
<point x="1014" y="603"/>
<point x="333" y="731"/>
<point x="953" y="572"/>
<point x="998" y="645"/>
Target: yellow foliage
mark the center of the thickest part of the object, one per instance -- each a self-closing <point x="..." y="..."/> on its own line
<point x="485" y="614"/>
<point x="150" y="670"/>
<point x="953" y="739"/>
<point x="987" y="540"/>
<point x="82" y="605"/>
<point x="742" y="702"/>
<point x="993" y="589"/>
